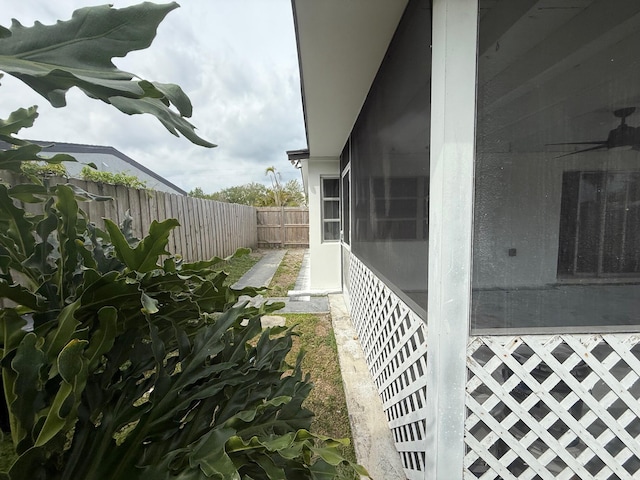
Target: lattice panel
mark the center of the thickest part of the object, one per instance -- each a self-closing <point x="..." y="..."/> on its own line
<point x="394" y="341"/>
<point x="563" y="406"/>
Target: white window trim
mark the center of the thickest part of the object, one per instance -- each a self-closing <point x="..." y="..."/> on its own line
<point x="323" y="199"/>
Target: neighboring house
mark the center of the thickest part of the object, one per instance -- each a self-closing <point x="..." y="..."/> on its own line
<point x="473" y="172"/>
<point x="107" y="159"/>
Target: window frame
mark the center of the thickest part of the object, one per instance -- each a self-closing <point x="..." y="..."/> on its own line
<point x="323" y="199"/>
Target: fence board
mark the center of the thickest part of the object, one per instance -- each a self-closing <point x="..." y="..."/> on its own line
<point x="282" y="227"/>
<point x="145" y="219"/>
<point x="111" y="206"/>
<point x="202" y="232"/>
<point x="178" y="213"/>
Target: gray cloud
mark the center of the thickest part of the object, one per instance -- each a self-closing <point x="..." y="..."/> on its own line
<point x="236" y="61"/>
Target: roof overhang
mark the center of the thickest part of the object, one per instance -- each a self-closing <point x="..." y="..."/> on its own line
<point x="341" y="44"/>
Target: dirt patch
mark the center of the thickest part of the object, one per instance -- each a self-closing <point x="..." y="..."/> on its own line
<point x="323" y="327"/>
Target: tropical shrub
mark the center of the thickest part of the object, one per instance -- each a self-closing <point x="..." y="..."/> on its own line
<point x="118" y="178"/>
<point x="120" y="361"/>
<point x="44" y="169"/>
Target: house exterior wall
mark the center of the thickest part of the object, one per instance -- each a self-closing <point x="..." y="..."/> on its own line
<point x="324" y="257"/>
<point x="548" y="386"/>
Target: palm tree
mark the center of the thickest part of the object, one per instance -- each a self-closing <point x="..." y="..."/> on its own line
<point x="276" y="185"/>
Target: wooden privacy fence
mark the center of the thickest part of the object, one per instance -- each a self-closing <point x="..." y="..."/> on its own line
<point x="283" y="227"/>
<point x="207" y="228"/>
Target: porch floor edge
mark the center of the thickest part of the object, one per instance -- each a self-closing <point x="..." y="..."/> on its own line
<point x="372" y="438"/>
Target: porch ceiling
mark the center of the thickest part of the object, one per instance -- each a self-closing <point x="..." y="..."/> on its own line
<point x="539" y="62"/>
<point x="546" y="61"/>
<point x="341" y="44"/>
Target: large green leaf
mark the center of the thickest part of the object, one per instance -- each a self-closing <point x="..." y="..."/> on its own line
<point x="156" y="107"/>
<point x="68" y="246"/>
<point x="144" y="257"/>
<point x="12" y="159"/>
<point x="62" y="412"/>
<point x="20" y="295"/>
<point x="19" y="119"/>
<point x="28" y="365"/>
<point x="16" y="225"/>
<point x="103" y="338"/>
<point x="57" y="339"/>
<point x="53" y="58"/>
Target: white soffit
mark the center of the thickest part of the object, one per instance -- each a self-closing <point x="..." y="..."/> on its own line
<point x="341" y="44"/>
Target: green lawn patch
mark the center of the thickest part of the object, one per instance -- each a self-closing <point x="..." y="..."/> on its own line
<point x="327" y="399"/>
<point x="287" y="273"/>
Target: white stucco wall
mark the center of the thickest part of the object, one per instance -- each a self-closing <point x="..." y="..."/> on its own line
<point x="518" y="206"/>
<point x="324" y="258"/>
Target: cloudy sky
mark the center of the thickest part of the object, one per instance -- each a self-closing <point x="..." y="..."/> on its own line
<point x="237" y="61"/>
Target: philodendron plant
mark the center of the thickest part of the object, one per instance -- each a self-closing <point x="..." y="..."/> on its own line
<point x="119" y="361"/>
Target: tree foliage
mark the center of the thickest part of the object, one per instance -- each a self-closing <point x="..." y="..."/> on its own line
<point x="248" y="194"/>
<point x="257" y="195"/>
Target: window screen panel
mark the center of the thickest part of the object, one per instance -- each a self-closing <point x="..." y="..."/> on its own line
<point x="390" y="162"/>
<point x="556" y="242"/>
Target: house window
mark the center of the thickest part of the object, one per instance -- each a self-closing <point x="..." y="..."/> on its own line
<point x="600" y="225"/>
<point x="330" y="209"/>
<point x="400" y="208"/>
<point x="346" y="204"/>
<point x="345" y="195"/>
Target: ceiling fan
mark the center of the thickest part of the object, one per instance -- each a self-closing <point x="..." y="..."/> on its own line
<point x="622" y="136"/>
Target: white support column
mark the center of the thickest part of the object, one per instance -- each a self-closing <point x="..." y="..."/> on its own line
<point x="453" y="100"/>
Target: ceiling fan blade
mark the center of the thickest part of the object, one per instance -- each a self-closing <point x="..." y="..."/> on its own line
<point x="602" y="142"/>
<point x="598" y="147"/>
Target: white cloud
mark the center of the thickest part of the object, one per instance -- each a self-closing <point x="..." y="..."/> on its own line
<point x="236" y="61"/>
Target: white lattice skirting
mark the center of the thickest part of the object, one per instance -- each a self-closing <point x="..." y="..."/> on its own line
<point x="394" y="341"/>
<point x="538" y="406"/>
<point x="564" y="406"/>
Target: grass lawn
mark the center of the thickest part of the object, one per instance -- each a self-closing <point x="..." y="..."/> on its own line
<point x="327" y="398"/>
<point x="287" y="273"/>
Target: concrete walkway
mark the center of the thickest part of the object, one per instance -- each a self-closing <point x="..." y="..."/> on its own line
<point x="372" y="439"/>
<point x="261" y="274"/>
